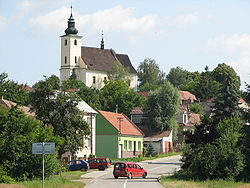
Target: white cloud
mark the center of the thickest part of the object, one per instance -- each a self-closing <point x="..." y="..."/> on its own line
<point x="231" y="43"/>
<point x="53" y="21"/>
<point x="237" y="48"/>
<point x="186" y="20"/>
<point x="117" y="19"/>
<point x="2" y="22"/>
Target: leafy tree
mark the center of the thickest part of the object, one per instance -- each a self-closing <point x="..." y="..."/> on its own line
<point x="12" y="91"/>
<point x="119" y="72"/>
<point x="206" y="87"/>
<point x="59" y="111"/>
<point x="180" y="78"/>
<point x="117" y="92"/>
<point x="149" y="75"/>
<point x="91" y="96"/>
<point x="220" y="159"/>
<point x="53" y="81"/>
<point x="149" y="152"/>
<point x="72" y="84"/>
<point x="17" y="134"/>
<point x="196" y="108"/>
<point x="163" y="107"/>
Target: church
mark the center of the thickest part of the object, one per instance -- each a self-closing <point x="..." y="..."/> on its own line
<point x="90" y="64"/>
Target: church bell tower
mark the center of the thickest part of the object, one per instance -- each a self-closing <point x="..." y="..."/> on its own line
<point x="70" y="50"/>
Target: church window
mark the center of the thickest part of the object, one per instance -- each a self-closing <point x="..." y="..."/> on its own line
<point x="65" y="59"/>
<point x="65" y="42"/>
<point x="185" y="118"/>
<point x="75" y="59"/>
<point x="75" y="42"/>
<point x="94" y="80"/>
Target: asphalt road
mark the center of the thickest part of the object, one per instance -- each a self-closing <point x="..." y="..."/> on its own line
<point x="155" y="168"/>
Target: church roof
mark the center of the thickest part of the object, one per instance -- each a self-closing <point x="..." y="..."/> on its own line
<point x="103" y="59"/>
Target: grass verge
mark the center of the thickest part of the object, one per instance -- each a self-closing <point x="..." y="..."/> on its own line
<point x="63" y="181"/>
<point x="173" y="182"/>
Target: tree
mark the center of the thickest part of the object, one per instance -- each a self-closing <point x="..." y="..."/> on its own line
<point x="91" y="96"/>
<point x="119" y="72"/>
<point x="117" y="93"/>
<point x="226" y="103"/>
<point x="162" y="108"/>
<point x="17" y="134"/>
<point x="149" y="75"/>
<point x="206" y="87"/>
<point x="220" y="159"/>
<point x="59" y="111"/>
<point x="72" y="84"/>
<point x="180" y="78"/>
<point x="12" y="91"/>
<point x="53" y="81"/>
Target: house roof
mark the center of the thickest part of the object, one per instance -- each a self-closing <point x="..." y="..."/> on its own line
<point x="122" y="123"/>
<point x="186" y="95"/>
<point x="144" y="94"/>
<point x="194" y="118"/>
<point x="10" y="104"/>
<point x="103" y="59"/>
<point x="83" y="106"/>
<point x="162" y="134"/>
<point x="137" y="110"/>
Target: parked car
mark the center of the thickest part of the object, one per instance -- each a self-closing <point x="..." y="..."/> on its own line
<point x="129" y="170"/>
<point x="99" y="163"/>
<point x="78" y="165"/>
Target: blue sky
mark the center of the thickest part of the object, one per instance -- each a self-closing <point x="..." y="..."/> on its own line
<point x="186" y="33"/>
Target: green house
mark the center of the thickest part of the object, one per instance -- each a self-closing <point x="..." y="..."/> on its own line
<point x="117" y="136"/>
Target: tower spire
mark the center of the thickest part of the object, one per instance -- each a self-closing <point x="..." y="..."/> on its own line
<point x="102" y="42"/>
<point x="71" y="25"/>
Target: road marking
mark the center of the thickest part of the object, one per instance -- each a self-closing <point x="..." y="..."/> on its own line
<point x="124" y="185"/>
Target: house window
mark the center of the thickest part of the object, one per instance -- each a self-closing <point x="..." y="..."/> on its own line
<point x="75" y="42"/>
<point x="94" y="81"/>
<point x="105" y="78"/>
<point x="139" y="146"/>
<point x="130" y="145"/>
<point x="185" y="118"/>
<point x="125" y="145"/>
<point x="65" y="42"/>
<point x="75" y="59"/>
<point x="65" y="59"/>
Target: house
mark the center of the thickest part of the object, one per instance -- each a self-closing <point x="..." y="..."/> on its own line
<point x="90" y="65"/>
<point x="161" y="142"/>
<point x="89" y="115"/>
<point x="117" y="136"/>
<point x="10" y="104"/>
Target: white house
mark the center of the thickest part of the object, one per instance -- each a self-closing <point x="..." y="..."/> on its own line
<point x="162" y="142"/>
<point x="89" y="115"/>
<point x="90" y="65"/>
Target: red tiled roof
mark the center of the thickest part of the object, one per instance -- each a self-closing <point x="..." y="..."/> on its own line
<point x="241" y="101"/>
<point x="162" y="134"/>
<point x="72" y="90"/>
<point x="194" y="118"/>
<point x="186" y="95"/>
<point x="10" y="104"/>
<point x="137" y="110"/>
<point x="122" y="123"/>
<point x="144" y="94"/>
<point x="28" y="88"/>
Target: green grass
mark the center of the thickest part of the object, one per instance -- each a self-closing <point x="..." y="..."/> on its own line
<point x="139" y="159"/>
<point x="173" y="182"/>
<point x="63" y="181"/>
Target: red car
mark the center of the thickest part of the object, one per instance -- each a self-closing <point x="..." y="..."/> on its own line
<point x="99" y="163"/>
<point x="129" y="170"/>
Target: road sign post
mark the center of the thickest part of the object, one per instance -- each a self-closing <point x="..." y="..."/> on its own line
<point x="43" y="148"/>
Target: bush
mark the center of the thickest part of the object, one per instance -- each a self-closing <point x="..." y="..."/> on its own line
<point x="4" y="178"/>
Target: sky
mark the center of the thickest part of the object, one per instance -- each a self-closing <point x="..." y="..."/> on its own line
<point x="190" y="34"/>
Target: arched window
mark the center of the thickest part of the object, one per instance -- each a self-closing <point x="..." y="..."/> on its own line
<point x="65" y="42"/>
<point x="75" y="42"/>
<point x="65" y="59"/>
<point x="75" y="59"/>
<point x="94" y="80"/>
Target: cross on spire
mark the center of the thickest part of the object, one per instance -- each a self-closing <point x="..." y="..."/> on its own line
<point x="102" y="42"/>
